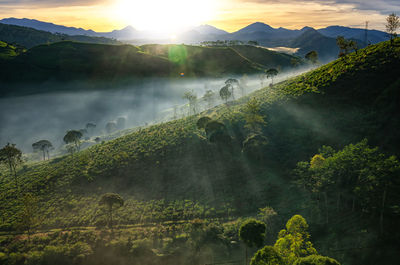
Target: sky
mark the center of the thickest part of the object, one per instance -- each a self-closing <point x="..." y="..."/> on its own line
<point x="230" y="15"/>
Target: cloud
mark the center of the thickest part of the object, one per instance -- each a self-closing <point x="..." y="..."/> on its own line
<point x="382" y="6"/>
<point x="48" y="3"/>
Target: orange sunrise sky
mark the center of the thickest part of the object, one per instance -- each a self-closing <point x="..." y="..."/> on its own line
<point x="230" y="15"/>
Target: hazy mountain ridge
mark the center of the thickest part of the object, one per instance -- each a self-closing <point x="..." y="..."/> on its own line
<point x="256" y="31"/>
<point x="30" y="37"/>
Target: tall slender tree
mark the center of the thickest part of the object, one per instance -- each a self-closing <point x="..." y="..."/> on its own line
<point x="110" y="200"/>
<point x="44" y="146"/>
<point x="12" y="157"/>
<point x="392" y="25"/>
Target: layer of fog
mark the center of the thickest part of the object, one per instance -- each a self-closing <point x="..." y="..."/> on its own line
<point x="28" y="119"/>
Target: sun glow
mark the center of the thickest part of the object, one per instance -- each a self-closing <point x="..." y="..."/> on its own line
<point x="167" y="16"/>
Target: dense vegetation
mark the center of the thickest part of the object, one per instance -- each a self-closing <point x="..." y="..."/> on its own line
<point x="173" y="175"/>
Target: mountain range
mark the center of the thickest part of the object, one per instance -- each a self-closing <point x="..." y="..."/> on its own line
<point x="258" y="31"/>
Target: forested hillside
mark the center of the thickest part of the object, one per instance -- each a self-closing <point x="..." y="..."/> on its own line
<point x="303" y="146"/>
<point x="114" y="65"/>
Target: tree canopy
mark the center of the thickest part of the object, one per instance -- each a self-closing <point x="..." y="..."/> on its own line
<point x="252" y="233"/>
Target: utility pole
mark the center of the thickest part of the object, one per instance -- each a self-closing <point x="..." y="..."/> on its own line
<point x="366" y="33"/>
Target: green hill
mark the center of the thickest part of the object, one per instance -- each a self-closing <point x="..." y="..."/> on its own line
<point x="8" y="51"/>
<point x="70" y="61"/>
<point x="29" y="37"/>
<point x="235" y="59"/>
<point x="343" y="102"/>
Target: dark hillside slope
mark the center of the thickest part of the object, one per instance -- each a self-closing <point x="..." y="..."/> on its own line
<point x="227" y="57"/>
<point x="71" y="61"/>
<point x="29" y="37"/>
<point x="266" y="58"/>
<point x="68" y="61"/>
<point x="340" y="103"/>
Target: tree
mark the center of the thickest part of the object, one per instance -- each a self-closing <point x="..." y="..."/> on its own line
<point x="192" y="98"/>
<point x="294" y="242"/>
<point x="109" y="200"/>
<point x="267" y="256"/>
<point x="12" y="157"/>
<point x="73" y="137"/>
<point x="232" y="83"/>
<point x="43" y="145"/>
<point x="353" y="45"/>
<point x="255" y="146"/>
<point x="28" y="215"/>
<point x="202" y="122"/>
<point x="121" y="121"/>
<point x="295" y="62"/>
<point x="243" y="84"/>
<point x="209" y="97"/>
<point x="90" y="127"/>
<point x="316" y="260"/>
<point x="252" y="233"/>
<point x="225" y="93"/>
<point x="111" y="127"/>
<point x="271" y="73"/>
<point x="357" y="179"/>
<point x="345" y="46"/>
<point x="342" y="44"/>
<point x="312" y="57"/>
<point x="217" y="133"/>
<point x="317" y="161"/>
<point x="270" y="217"/>
<point x="252" y="115"/>
<point x="392" y="25"/>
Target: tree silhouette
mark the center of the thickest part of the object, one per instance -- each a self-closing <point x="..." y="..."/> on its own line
<point x="12" y="157"/>
<point x="252" y="233"/>
<point x="209" y="97"/>
<point x="109" y="200"/>
<point x="90" y="126"/>
<point x="225" y="93"/>
<point x="111" y="127"/>
<point x="232" y="83"/>
<point x="271" y="73"/>
<point x="252" y="115"/>
<point x="202" y="122"/>
<point x="392" y="24"/>
<point x="73" y="137"/>
<point x="43" y="145"/>
<point x="312" y="57"/>
<point x="28" y="215"/>
<point x="192" y="98"/>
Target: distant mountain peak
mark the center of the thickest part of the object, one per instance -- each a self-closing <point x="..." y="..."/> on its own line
<point x="206" y="29"/>
<point x="306" y="28"/>
<point x="256" y="27"/>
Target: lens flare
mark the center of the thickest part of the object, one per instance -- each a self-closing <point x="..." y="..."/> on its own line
<point x="161" y="15"/>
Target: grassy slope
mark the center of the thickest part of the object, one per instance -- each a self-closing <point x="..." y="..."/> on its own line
<point x="236" y="56"/>
<point x="266" y="58"/>
<point x="339" y="103"/>
<point x="7" y="51"/>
